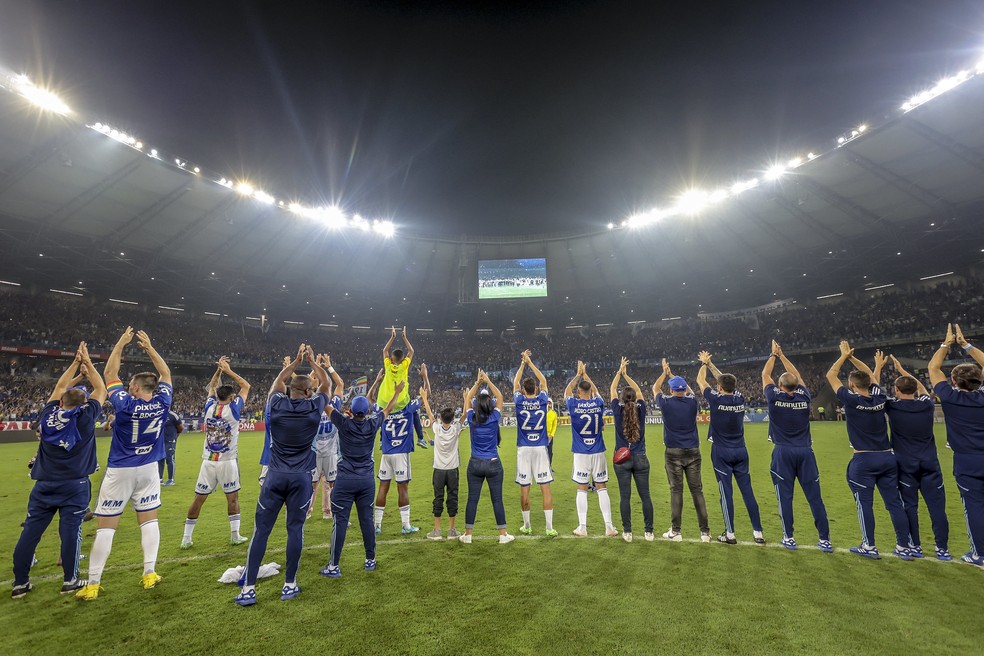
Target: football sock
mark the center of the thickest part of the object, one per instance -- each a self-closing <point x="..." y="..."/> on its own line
<point x="150" y="540"/>
<point x="548" y="516"/>
<point x="526" y="518"/>
<point x="189" y="529"/>
<point x="234" y="525"/>
<point x="582" y="507"/>
<point x="101" y="547"/>
<point x="606" y="505"/>
<point x="405" y="516"/>
<point x="377" y="516"/>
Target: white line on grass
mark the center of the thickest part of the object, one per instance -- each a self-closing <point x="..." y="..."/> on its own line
<point x="483" y="538"/>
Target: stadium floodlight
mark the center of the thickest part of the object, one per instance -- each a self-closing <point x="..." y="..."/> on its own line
<point x="222" y="181"/>
<point x="253" y="319"/>
<point x="263" y="197"/>
<point x="574" y="326"/>
<point x="425" y="330"/>
<point x="811" y="156"/>
<point x="120" y="300"/>
<point x="360" y="223"/>
<point x="871" y="289"/>
<point x="62" y="291"/>
<point x="744" y="185"/>
<point x="11" y="283"/>
<point x="637" y="321"/>
<point x="294" y="323"/>
<point x="41" y="98"/>
<point x="669" y="318"/>
<point x="454" y="330"/>
<point x="483" y="330"/>
<point x="602" y="325"/>
<point x="361" y="327"/>
<point x="544" y="328"/>
<point x="775" y="172"/>
<point x="153" y="152"/>
<point x="692" y="201"/>
<point x="197" y="170"/>
<point x="611" y="226"/>
<point x="385" y="228"/>
<point x="245" y="188"/>
<point x="793" y="163"/>
<point x="213" y="314"/>
<point x="941" y="87"/>
<point x="862" y="128"/>
<point x="937" y="275"/>
<point x="173" y="309"/>
<point x="830" y="295"/>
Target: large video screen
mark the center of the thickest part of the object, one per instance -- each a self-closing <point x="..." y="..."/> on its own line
<point x="512" y="278"/>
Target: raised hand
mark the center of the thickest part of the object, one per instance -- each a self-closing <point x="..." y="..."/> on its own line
<point x="776" y="349"/>
<point x="325" y="361"/>
<point x="126" y="337"/>
<point x="845" y="348"/>
<point x="143" y="340"/>
<point x="84" y="368"/>
<point x="666" y="366"/>
<point x="300" y="353"/>
<point x="223" y="364"/>
<point x="961" y="340"/>
<point x="704" y="357"/>
<point x="950" y="337"/>
<point x="895" y="362"/>
<point x="287" y="361"/>
<point x="393" y="331"/>
<point x="526" y="356"/>
<point x="623" y="365"/>
<point x="309" y="356"/>
<point x="880" y="359"/>
<point x="580" y="367"/>
<point x="422" y="393"/>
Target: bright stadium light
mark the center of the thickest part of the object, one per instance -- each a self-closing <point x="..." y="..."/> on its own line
<point x="120" y="300"/>
<point x="744" y="185"/>
<point x="938" y="275"/>
<point x="830" y="295"/>
<point x="691" y="202"/>
<point x="775" y="172"/>
<point x="41" y="98"/>
<point x="62" y="291"/>
<point x="244" y="188"/>
<point x="871" y="289"/>
<point x="8" y="282"/>
<point x="385" y="228"/>
<point x="263" y="197"/>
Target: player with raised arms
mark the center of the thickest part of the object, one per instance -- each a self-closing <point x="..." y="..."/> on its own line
<point x="873" y="463"/>
<point x="792" y="456"/>
<point x="729" y="455"/>
<point x="588" y="446"/>
<point x="66" y="457"/>
<point x="354" y="484"/>
<point x="911" y="415"/>
<point x="396" y="444"/>
<point x="963" y="411"/>
<point x="220" y="453"/>
<point x="682" y="455"/>
<point x="131" y="473"/>
<point x="532" y="460"/>
<point x="326" y="447"/>
<point x="295" y="413"/>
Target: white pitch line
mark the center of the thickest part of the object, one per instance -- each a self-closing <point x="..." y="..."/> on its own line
<point x="482" y="538"/>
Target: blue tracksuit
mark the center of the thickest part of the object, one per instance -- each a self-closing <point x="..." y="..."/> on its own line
<point x="874" y="465"/>
<point x="964" y="416"/>
<point x="66" y="457"/>
<point x="793" y="458"/>
<point x="729" y="456"/>
<point x="911" y="422"/>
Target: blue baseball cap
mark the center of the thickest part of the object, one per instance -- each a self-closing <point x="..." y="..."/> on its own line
<point x="83" y="389"/>
<point x="360" y="405"/>
<point x="678" y="384"/>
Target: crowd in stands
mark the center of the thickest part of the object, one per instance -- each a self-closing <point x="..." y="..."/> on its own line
<point x="453" y="358"/>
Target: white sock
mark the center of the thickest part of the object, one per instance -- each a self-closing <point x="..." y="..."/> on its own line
<point x="757" y="534"/>
<point x="101" y="547"/>
<point x="405" y="516"/>
<point x="247" y="588"/>
<point x="526" y="518"/>
<point x="730" y="536"/>
<point x="582" y="507"/>
<point x="377" y="516"/>
<point x="189" y="529"/>
<point x="234" y="525"/>
<point x="150" y="540"/>
<point x="606" y="506"/>
<point x="548" y="515"/>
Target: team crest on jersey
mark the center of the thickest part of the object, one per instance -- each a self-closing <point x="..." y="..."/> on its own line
<point x="218" y="435"/>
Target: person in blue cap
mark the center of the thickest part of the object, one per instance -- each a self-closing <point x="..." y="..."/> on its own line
<point x="683" y="459"/>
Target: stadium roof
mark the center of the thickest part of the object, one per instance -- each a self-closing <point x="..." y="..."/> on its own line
<point x="895" y="202"/>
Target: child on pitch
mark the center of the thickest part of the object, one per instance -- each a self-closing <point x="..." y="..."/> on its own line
<point x="446" y="463"/>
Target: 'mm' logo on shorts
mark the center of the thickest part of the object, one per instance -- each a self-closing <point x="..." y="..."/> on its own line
<point x="149" y="499"/>
<point x="524" y="476"/>
<point x="113" y="503"/>
<point x="581" y="474"/>
<point x="202" y="486"/>
<point x="231" y="484"/>
<point x="400" y="472"/>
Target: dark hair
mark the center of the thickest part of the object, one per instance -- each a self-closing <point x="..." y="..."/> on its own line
<point x="906" y="385"/>
<point x="300" y="383"/>
<point x="966" y="377"/>
<point x="483" y="408"/>
<point x="860" y="379"/>
<point x="784" y="382"/>
<point x="225" y="392"/>
<point x="447" y="415"/>
<point x="728" y="382"/>
<point x="529" y="385"/>
<point x="584" y="386"/>
<point x="145" y="380"/>
<point x="396" y="356"/>
<point x="630" y="415"/>
<point x="72" y="399"/>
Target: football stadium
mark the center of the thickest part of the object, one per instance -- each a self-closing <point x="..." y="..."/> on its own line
<point x="663" y="320"/>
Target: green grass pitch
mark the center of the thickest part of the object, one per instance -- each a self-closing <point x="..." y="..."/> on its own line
<point x="511" y="292"/>
<point x="534" y="596"/>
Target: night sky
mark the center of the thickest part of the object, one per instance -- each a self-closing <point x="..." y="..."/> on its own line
<point x="488" y="119"/>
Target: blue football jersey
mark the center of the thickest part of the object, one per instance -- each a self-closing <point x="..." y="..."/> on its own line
<point x="397" y="433"/>
<point x="587" y="423"/>
<point x="531" y="419"/>
<point x="137" y="427"/>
